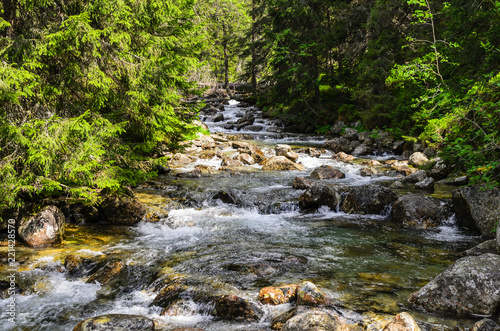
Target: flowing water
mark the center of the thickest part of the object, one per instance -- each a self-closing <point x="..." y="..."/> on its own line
<point x="364" y="261"/>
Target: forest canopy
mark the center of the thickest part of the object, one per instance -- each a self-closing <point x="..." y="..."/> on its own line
<point x="91" y="91"/>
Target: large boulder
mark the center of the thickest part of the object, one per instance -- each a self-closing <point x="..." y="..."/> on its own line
<point x="471" y="286"/>
<point x="368" y="199"/>
<point x="301" y="183"/>
<point x="327" y="172"/>
<point x="321" y="195"/>
<point x="418" y="211"/>
<point x="477" y="208"/>
<point x="44" y="229"/>
<point x="426" y="184"/>
<point x="116" y="322"/>
<point x="281" y="163"/>
<point x="123" y="209"/>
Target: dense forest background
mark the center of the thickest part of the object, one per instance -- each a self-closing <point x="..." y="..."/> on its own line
<point x="92" y="91"/>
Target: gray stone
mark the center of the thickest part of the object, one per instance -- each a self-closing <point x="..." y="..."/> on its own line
<point x="321" y="195"/>
<point x="477" y="208"/>
<point x="415" y="177"/>
<point x="368" y="199"/>
<point x="488" y="246"/>
<point x="337" y="128"/>
<point x="486" y="325"/>
<point x="351" y="134"/>
<point x="417" y="159"/>
<point x="418" y="211"/>
<point x="426" y="184"/>
<point x="362" y="150"/>
<point x="470" y="286"/>
<point x="233" y="307"/>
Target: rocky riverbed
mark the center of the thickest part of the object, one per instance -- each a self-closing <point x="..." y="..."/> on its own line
<point x="253" y="228"/>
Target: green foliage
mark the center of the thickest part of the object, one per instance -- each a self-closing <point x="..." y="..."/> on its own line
<point x="90" y="91"/>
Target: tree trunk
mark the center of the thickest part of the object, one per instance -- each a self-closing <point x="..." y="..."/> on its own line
<point x="226" y="59"/>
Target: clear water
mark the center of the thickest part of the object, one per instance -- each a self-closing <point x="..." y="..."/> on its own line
<point x="367" y="263"/>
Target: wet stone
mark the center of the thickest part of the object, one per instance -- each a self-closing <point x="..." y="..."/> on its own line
<point x="327" y="172"/>
<point x="44" y="229"/>
<point x="402" y="322"/>
<point x="301" y="183"/>
<point x="278" y="295"/>
<point x="116" y="322"/>
<point x="309" y="295"/>
<point x="233" y="307"/>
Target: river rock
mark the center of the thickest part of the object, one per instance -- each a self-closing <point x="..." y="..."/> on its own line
<point x="336" y="128"/>
<point x="123" y="209"/>
<point x="368" y="199"/>
<point x="251" y="149"/>
<point x="218" y="118"/>
<point x="439" y="169"/>
<point x="282" y="149"/>
<point x="402" y="322"/>
<point x="321" y="195"/>
<point x="44" y="229"/>
<point x="229" y="197"/>
<point x="471" y="286"/>
<point x="498" y="237"/>
<point x="415" y="177"/>
<point x="312" y="152"/>
<point x="179" y="160"/>
<point x="486" y="325"/>
<point x="337" y="145"/>
<point x="232" y="307"/>
<point x="106" y="274"/>
<point x="228" y="162"/>
<point x="341" y="156"/>
<point x="278" y="295"/>
<point x="303" y="319"/>
<point x="418" y="211"/>
<point x="281" y="163"/>
<point x="426" y="184"/>
<point x="246" y="159"/>
<point x="488" y="246"/>
<point x="455" y="181"/>
<point x="309" y="295"/>
<point x="301" y="183"/>
<point x="362" y="149"/>
<point x="368" y="172"/>
<point x="417" y="159"/>
<point x="327" y="172"/>
<point x="477" y="208"/>
<point x="116" y="322"/>
<point x="351" y="134"/>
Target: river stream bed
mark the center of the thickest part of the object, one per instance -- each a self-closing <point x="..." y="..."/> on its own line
<point x="364" y="261"/>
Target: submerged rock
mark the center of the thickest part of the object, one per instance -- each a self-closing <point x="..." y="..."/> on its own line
<point x="107" y="274"/>
<point x="44" y="229"/>
<point x="477" y="208"/>
<point x="471" y="286"/>
<point x="368" y="199"/>
<point x="233" y="307"/>
<point x="418" y="211"/>
<point x="116" y="322"/>
<point x="327" y="172"/>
